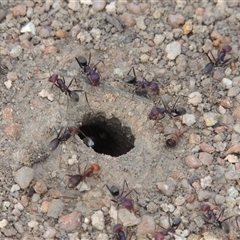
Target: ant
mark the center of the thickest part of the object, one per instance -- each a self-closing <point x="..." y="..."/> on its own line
<point x="118" y="229"/>
<point x="74" y="180"/>
<point x="173" y="139"/>
<point x="219" y="61"/>
<point x="161" y="235"/>
<point x="60" y="83"/>
<point x="159" y="113"/>
<point x="210" y="217"/>
<point x="91" y="72"/>
<point x="68" y="132"/>
<point x="142" y="85"/>
<point x="119" y="198"/>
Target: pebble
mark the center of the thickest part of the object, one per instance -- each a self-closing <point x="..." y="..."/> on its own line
<point x="232" y="192"/>
<point x="29" y="27"/>
<point x="14" y="188"/>
<point x="236" y="81"/>
<point x="194" y="138"/>
<point x="19" y="10"/>
<point x="230" y="201"/>
<point x="74" y="5"/>
<point x="211" y="118"/>
<point x="8" y="232"/>
<point x="179" y="201"/>
<point x="193" y="162"/>
<point x="70" y="222"/>
<point x="111" y="8"/>
<point x="188" y="119"/>
<point x="187" y="27"/>
<point x="98" y="220"/>
<point x="7" y="114"/>
<point x="232" y="175"/>
<point x="3" y="223"/>
<point x="219" y="199"/>
<point x="127" y="218"/>
<point x="12" y="76"/>
<point x="176" y="20"/>
<point x="236" y="114"/>
<point x="140" y="22"/>
<point x="206" y="147"/>
<point x="98" y="5"/>
<point x="115" y="22"/>
<point x="144" y="58"/>
<point x="128" y="19"/>
<point x="45" y="206"/>
<point x="227" y="83"/>
<point x="87" y="2"/>
<point x="50" y="233"/>
<point x="16" y="51"/>
<point x="32" y="224"/>
<point x="133" y="8"/>
<point x="147" y="225"/>
<point x="113" y="213"/>
<point x="232" y="158"/>
<point x="233" y="149"/>
<point x="40" y="186"/>
<point x="195" y="98"/>
<point x="173" y="49"/>
<point x="216" y="35"/>
<point x="167" y="188"/>
<point x="236" y="128"/>
<point x="206" y="158"/>
<point x="55" y="209"/>
<point x="232" y="92"/>
<point x="44" y="33"/>
<point x="157" y="14"/>
<point x="206" y="182"/>
<point x="61" y="34"/>
<point x="24" y="176"/>
<point x="204" y="195"/>
<point x="102" y="236"/>
<point x="158" y="39"/>
<point x="2" y="15"/>
<point x="8" y="84"/>
<point x="45" y="94"/>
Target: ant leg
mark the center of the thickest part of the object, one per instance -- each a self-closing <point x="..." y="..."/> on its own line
<point x="105" y="185"/>
<point x="212" y="57"/>
<point x="89" y="58"/>
<point x="175" y="102"/>
<point x="94" y="67"/>
<point x="70" y="82"/>
<point x="133" y="190"/>
<point x="124" y="183"/>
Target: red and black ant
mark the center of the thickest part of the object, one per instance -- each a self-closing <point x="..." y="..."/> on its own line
<point x="118" y="229"/>
<point x="159" y="113"/>
<point x="60" y="83"/>
<point x="172" y="228"/>
<point x="120" y="198"/>
<point x="91" y="72"/>
<point x="210" y="217"/>
<point x="74" y="180"/>
<point x="142" y="87"/>
<point x="219" y="61"/>
<point x="68" y="132"/>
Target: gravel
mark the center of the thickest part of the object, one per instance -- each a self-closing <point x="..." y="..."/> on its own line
<point x="166" y="42"/>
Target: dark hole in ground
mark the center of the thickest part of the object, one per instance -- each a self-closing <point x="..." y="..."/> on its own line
<point x="108" y="135"/>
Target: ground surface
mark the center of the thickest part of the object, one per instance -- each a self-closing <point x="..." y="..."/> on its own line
<point x="195" y="172"/>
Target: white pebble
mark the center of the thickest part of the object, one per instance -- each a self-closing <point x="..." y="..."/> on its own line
<point x="232" y="158"/>
<point x="128" y="218"/>
<point x="173" y="49"/>
<point x="98" y="220"/>
<point x="45" y="94"/>
<point x="74" y="5"/>
<point x="14" y="188"/>
<point x="8" y="84"/>
<point x="32" y="224"/>
<point x="227" y="83"/>
<point x="98" y="5"/>
<point x="111" y="7"/>
<point x="188" y="119"/>
<point x="88" y="2"/>
<point x="3" y="223"/>
<point x="195" y="98"/>
<point x="29" y="27"/>
<point x="158" y="39"/>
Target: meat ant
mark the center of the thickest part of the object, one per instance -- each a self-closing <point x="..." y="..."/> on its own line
<point x="120" y="198"/>
<point x="210" y="217"/>
<point x="172" y="228"/>
<point x="148" y="86"/>
<point x="74" y="180"/>
<point x="118" y="229"/>
<point x="219" y="61"/>
<point x="60" y="83"/>
<point x="91" y="72"/>
<point x="159" y="113"/>
<point x="68" y="132"/>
